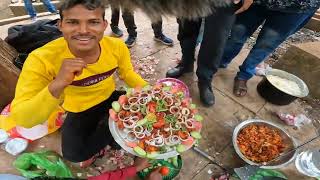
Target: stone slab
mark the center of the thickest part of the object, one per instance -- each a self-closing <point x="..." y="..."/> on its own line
<point x="302" y="58"/>
<point x="302" y="134"/>
<point x="208" y="172"/>
<point x="223" y="81"/>
<point x="18" y="9"/>
<point x="314" y="23"/>
<point x="192" y="165"/>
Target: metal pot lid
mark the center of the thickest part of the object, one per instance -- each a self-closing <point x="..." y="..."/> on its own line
<point x="304" y="91"/>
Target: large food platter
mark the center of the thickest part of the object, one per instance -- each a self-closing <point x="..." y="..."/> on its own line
<point x="156" y="122"/>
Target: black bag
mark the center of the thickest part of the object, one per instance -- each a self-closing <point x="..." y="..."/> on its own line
<point x="26" y="38"/>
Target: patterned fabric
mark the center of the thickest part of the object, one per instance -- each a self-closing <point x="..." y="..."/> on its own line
<point x="294" y="6"/>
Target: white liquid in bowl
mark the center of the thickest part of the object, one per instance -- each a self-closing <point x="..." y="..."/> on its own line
<point x="285" y="85"/>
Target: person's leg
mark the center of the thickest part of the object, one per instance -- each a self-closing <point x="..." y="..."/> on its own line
<point x="128" y="19"/>
<point x="29" y="8"/>
<point x="245" y="25"/>
<point x="211" y="49"/>
<point x="84" y="134"/>
<point x="277" y="28"/>
<point x="200" y="36"/>
<point x="187" y="36"/>
<point x="157" y="28"/>
<point x="158" y="33"/>
<point x="115" y="14"/>
<point x="49" y="6"/>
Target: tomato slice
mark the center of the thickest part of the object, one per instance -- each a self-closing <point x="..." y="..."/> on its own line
<point x="164" y="171"/>
<point x="152" y="107"/>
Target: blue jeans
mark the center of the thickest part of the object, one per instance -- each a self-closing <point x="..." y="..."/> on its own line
<point x="32" y="12"/>
<point x="276" y="28"/>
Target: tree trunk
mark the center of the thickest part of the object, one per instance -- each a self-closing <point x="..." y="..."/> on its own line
<point x="8" y="73"/>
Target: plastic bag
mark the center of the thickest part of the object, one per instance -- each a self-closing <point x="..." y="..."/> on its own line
<point x="53" y="123"/>
<point x="15" y="146"/>
<point x="46" y="163"/>
<point x="262" y="173"/>
<point x="293" y="120"/>
<point x="262" y="69"/>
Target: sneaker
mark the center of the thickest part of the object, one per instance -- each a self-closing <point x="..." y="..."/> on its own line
<point x="206" y="94"/>
<point x="117" y="31"/>
<point x="179" y="70"/>
<point x="131" y="41"/>
<point x="164" y="40"/>
<point x="34" y="19"/>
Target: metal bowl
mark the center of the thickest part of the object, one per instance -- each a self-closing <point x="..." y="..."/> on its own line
<point x="287" y="139"/>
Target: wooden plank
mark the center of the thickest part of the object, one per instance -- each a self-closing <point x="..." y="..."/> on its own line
<point x="9" y="73"/>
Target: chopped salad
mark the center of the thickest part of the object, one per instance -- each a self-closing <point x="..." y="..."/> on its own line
<point x="157" y="119"/>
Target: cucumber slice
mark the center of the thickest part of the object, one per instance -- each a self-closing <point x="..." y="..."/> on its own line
<point x="152" y="155"/>
<point x="116" y="106"/>
<point x="140" y="151"/>
<point x="181" y="148"/>
<point x="193" y="106"/>
<point x="196" y="134"/>
<point x="198" y="117"/>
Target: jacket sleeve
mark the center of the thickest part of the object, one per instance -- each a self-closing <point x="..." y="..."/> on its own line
<point x="33" y="103"/>
<point x="126" y="71"/>
<point x="121" y="174"/>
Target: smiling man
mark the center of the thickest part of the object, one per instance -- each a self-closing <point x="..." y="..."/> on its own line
<point x="75" y="71"/>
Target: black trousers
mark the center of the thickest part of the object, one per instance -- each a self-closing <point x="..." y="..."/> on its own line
<point x="216" y="31"/>
<point x="84" y="134"/>
<point x="128" y="19"/>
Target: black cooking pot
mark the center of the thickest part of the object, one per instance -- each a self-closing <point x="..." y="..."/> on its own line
<point x="276" y="96"/>
<point x="272" y="94"/>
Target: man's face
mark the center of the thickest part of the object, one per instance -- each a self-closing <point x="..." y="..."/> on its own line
<point x="82" y="28"/>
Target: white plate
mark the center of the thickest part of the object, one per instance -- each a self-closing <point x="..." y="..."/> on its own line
<point x="120" y="138"/>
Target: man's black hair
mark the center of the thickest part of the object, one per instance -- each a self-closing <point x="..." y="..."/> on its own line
<point x="89" y="4"/>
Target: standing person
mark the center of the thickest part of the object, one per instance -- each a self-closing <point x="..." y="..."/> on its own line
<point x="128" y="19"/>
<point x="32" y="12"/>
<point x="216" y="30"/>
<point x="279" y="20"/>
<point x="75" y="71"/>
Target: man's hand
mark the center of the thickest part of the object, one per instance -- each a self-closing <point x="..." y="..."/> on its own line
<point x="245" y="5"/>
<point x="155" y="174"/>
<point x="141" y="163"/>
<point x="68" y="70"/>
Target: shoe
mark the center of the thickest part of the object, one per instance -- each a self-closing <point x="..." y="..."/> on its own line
<point x="116" y="31"/>
<point x="131" y="41"/>
<point x="179" y="70"/>
<point x="206" y="94"/>
<point x="164" y="40"/>
<point x="34" y="19"/>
